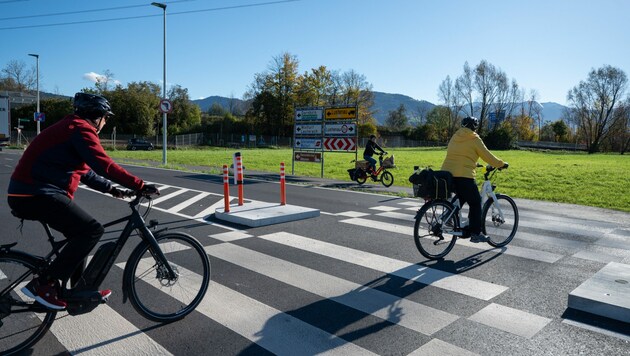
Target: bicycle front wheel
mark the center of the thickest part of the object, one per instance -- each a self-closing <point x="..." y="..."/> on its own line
<point x="500" y="220"/>
<point x="22" y="320"/>
<point x="153" y="293"/>
<point x="387" y="179"/>
<point x="433" y="230"/>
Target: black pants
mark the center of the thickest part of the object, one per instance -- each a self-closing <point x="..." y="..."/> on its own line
<point x="467" y="191"/>
<point x="63" y="215"/>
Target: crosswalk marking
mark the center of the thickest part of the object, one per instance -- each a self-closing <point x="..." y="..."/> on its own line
<point x="453" y="282"/>
<point x="414" y="316"/>
<point x="187" y="203"/>
<point x="169" y="196"/>
<point x="442" y="348"/>
<point x="512" y="320"/>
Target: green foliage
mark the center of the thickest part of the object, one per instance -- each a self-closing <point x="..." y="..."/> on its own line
<point x="500" y="138"/>
<point x="439" y="118"/>
<point x="397" y="119"/>
<point x="367" y="129"/>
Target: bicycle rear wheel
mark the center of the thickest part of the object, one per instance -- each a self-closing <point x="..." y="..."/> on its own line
<point x="433" y="230"/>
<point x="156" y="296"/>
<point x="499" y="220"/>
<point x="22" y="320"/>
<point x="361" y="176"/>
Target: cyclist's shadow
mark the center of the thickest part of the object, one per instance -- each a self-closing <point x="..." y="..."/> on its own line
<point x="353" y="315"/>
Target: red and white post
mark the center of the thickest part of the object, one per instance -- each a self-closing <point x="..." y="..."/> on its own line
<point x="283" y="193"/>
<point x="226" y="189"/>
<point x="239" y="177"/>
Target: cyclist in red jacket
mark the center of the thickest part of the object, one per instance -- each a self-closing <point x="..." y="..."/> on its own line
<point x="45" y="179"/>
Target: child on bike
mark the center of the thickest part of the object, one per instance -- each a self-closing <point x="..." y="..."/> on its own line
<point x="45" y="179"/>
<point x="463" y="151"/>
<point x="370" y="148"/>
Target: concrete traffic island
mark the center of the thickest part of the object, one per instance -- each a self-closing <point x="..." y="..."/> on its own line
<point x="606" y="294"/>
<point x="255" y="213"/>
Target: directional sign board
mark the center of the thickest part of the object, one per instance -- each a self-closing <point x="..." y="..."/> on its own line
<point x="308" y="156"/>
<point x="308" y="143"/>
<point x="308" y="114"/>
<point x="340" y="144"/>
<point x="314" y="129"/>
<point x="341" y="113"/>
<point x="39" y="116"/>
<point x="344" y="129"/>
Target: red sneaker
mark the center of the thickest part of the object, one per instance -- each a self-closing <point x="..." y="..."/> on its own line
<point x="105" y="293"/>
<point x="45" y="293"/>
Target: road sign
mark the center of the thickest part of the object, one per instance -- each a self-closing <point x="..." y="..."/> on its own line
<point x="340" y="144"/>
<point x="308" y="156"/>
<point x="349" y="129"/>
<point x="308" y="129"/>
<point x="308" y="114"/>
<point x="341" y="113"/>
<point x="39" y="116"/>
<point x="308" y="143"/>
<point x="166" y="106"/>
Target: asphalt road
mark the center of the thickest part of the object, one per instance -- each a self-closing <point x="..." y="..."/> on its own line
<point x="351" y="280"/>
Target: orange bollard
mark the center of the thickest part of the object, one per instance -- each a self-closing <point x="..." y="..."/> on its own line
<point x="226" y="188"/>
<point x="283" y="194"/>
<point x="239" y="177"/>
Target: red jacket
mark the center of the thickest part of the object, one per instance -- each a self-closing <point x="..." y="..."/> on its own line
<point x="61" y="156"/>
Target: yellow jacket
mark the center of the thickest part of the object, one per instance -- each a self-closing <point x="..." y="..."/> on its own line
<point x="464" y="149"/>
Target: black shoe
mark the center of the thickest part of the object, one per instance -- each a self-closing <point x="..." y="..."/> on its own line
<point x="478" y="237"/>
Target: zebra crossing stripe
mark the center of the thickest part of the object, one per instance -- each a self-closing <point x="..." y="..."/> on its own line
<point x="512" y="320"/>
<point x="84" y="334"/>
<point x="268" y="327"/>
<point x="187" y="203"/>
<point x="425" y="275"/>
<point x="442" y="348"/>
<point x="414" y="316"/>
<point x="169" y="196"/>
<point x="517" y="251"/>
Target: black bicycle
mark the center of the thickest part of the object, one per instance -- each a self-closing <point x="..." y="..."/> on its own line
<point x="165" y="278"/>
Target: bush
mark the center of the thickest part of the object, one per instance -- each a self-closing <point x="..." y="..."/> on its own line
<point x="500" y="138"/>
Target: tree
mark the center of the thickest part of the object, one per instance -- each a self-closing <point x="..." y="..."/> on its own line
<point x="397" y="119"/>
<point x="560" y="130"/>
<point x="17" y="77"/>
<point x="448" y="93"/>
<point x="593" y="103"/>
<point x="439" y="120"/>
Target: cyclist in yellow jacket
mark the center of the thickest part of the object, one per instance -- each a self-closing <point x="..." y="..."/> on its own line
<point x="464" y="149"/>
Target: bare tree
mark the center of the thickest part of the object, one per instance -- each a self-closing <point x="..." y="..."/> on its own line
<point x="488" y="81"/>
<point x="594" y="102"/>
<point x="465" y="87"/>
<point x="18" y="77"/>
<point x="453" y="101"/>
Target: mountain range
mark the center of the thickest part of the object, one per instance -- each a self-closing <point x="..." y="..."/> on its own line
<point x="383" y="104"/>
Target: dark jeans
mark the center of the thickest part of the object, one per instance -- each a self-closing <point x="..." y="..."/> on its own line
<point x="372" y="162"/>
<point x="467" y="191"/>
<point x="63" y="215"/>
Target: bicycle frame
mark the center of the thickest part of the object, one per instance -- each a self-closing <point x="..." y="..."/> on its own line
<point x="487" y="192"/>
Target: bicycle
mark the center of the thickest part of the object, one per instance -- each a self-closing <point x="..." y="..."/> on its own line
<point x="437" y="222"/>
<point x="360" y="174"/>
<point x="159" y="289"/>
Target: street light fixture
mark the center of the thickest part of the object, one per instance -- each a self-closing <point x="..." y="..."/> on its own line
<point x="37" y="58"/>
<point x="164" y="142"/>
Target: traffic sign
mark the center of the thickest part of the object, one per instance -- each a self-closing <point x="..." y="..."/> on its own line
<point x="340" y="144"/>
<point x="341" y="113"/>
<point x="309" y="143"/>
<point x="308" y="156"/>
<point x="346" y="129"/>
<point x="39" y="116"/>
<point x="308" y="129"/>
<point x="166" y="106"/>
<point x="308" y="114"/>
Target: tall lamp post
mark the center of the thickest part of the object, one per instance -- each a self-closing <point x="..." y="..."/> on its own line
<point x="37" y="58"/>
<point x="163" y="7"/>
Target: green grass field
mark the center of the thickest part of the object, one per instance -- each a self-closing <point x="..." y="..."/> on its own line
<point x="600" y="180"/>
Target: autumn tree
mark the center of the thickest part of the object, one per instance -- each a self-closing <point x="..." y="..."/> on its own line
<point x="397" y="120"/>
<point x="594" y="101"/>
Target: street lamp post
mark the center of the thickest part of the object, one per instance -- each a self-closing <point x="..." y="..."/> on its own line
<point x="164" y="142"/>
<point x="37" y="58"/>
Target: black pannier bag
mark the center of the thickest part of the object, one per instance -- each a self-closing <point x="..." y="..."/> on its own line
<point x="352" y="173"/>
<point x="431" y="184"/>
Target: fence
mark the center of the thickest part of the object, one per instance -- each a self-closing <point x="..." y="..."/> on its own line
<point x="552" y="145"/>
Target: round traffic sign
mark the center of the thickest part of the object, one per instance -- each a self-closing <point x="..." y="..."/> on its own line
<point x="166" y="107"/>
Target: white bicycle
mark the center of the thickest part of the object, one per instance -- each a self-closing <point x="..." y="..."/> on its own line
<point x="437" y="225"/>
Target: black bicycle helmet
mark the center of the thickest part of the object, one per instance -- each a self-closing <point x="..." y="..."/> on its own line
<point x="91" y="106"/>
<point x="470" y="122"/>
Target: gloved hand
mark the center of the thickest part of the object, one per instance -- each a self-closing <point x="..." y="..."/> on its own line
<point x="505" y="165"/>
<point x="116" y="193"/>
<point x="150" y="189"/>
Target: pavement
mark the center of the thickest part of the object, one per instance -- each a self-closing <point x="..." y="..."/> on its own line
<point x="607" y="293"/>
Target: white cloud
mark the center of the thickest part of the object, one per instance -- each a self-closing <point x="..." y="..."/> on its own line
<point x="95" y="77"/>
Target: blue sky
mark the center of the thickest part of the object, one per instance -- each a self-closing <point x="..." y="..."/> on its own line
<point x="401" y="46"/>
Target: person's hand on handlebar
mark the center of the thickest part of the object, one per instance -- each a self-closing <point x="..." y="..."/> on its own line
<point x="117" y="193"/>
<point x="505" y="166"/>
<point x="150" y="189"/>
